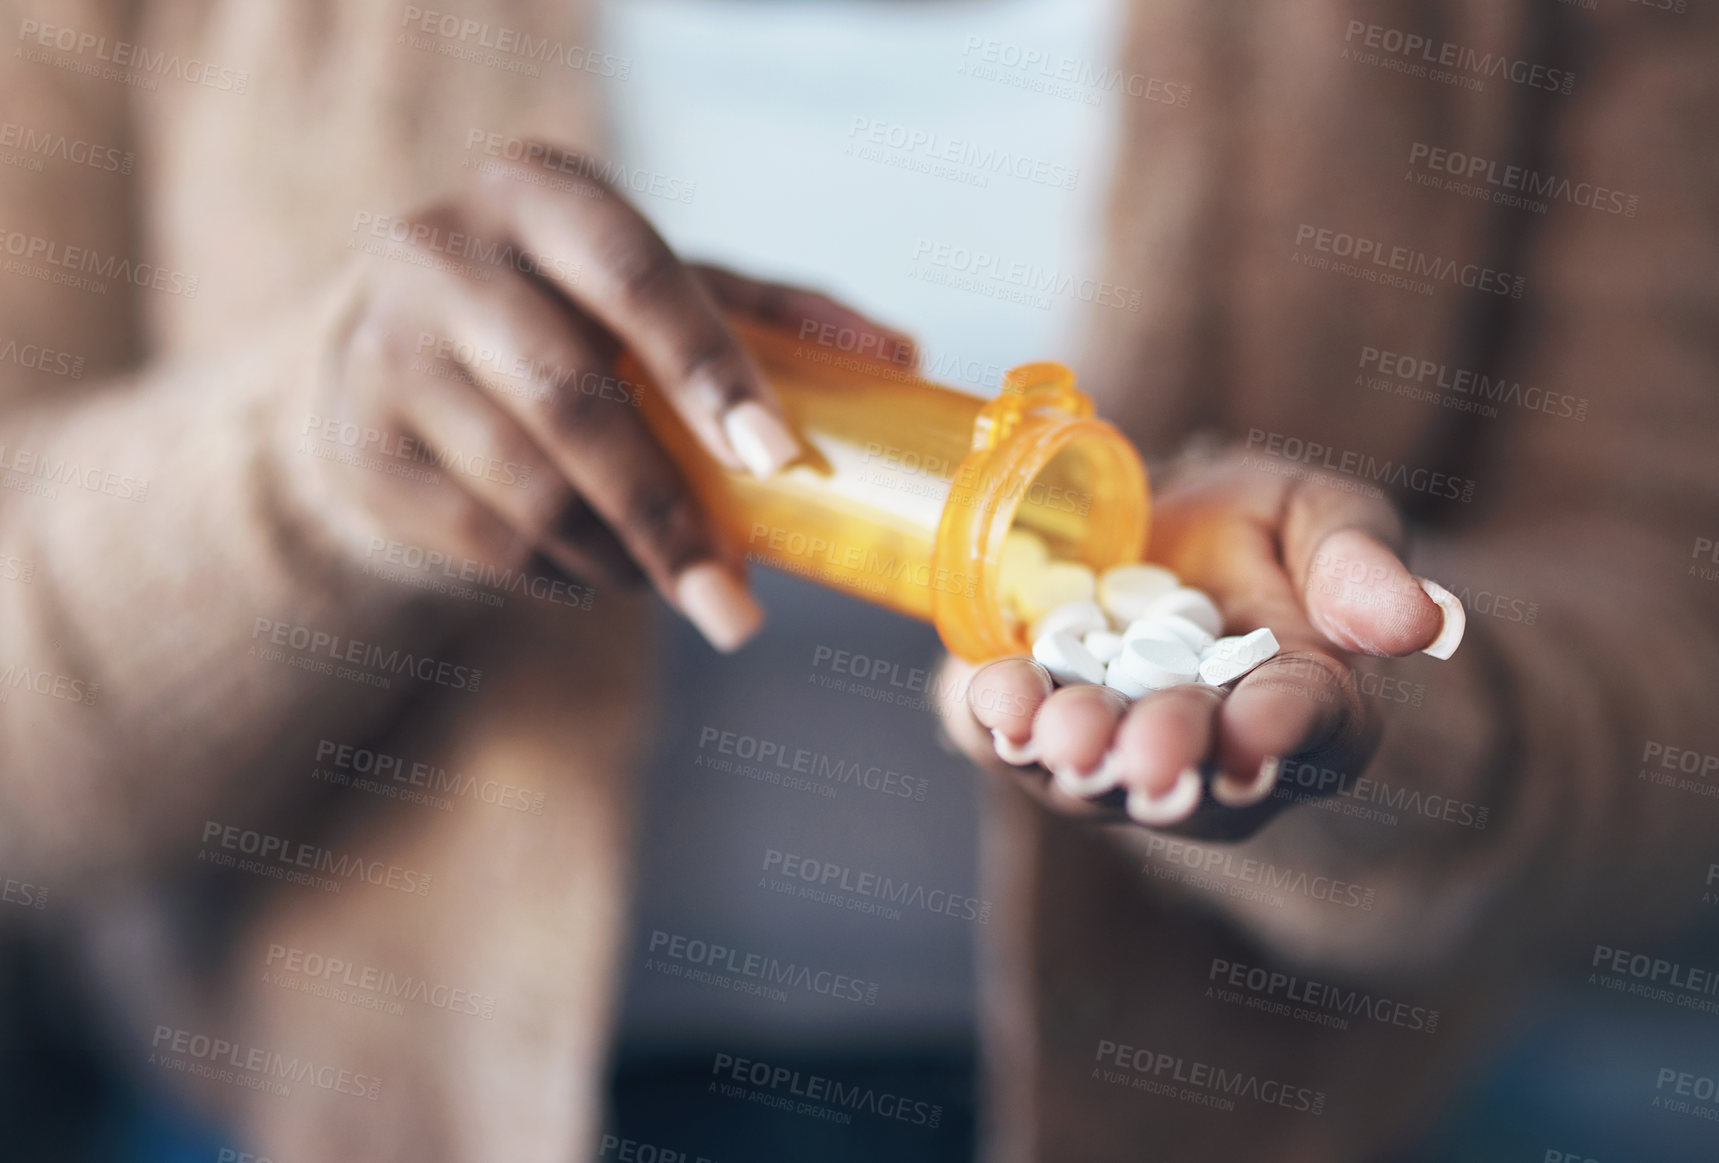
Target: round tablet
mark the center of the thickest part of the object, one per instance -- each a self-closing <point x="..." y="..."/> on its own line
<point x="1170" y="628"/>
<point x="1053" y="584"/>
<point x="1191" y="604"/>
<point x="1150" y="664"/>
<point x="1125" y="591"/>
<point x="1068" y="661"/>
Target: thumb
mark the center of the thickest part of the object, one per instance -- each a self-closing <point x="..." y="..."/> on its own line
<point x="1342" y="549"/>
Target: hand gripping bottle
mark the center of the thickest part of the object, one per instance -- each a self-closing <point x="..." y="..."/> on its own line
<point x="907" y="487"/>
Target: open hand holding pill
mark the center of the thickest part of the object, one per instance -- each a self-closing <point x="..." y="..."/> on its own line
<point x="1153" y="631"/>
<point x="1172" y="692"/>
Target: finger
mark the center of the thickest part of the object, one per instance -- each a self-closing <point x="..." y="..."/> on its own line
<point x="1004" y="697"/>
<point x="1073" y="730"/>
<point x="522" y="506"/>
<point x="1305" y="704"/>
<point x="629" y="279"/>
<point x="809" y="315"/>
<point x="1166" y="733"/>
<point x="603" y="448"/>
<point x="1340" y="548"/>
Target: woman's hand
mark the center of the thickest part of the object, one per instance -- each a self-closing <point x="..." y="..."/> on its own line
<point x="1318" y="564"/>
<point x="471" y="372"/>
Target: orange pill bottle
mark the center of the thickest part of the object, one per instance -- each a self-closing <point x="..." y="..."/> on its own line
<point x="908" y="487"/>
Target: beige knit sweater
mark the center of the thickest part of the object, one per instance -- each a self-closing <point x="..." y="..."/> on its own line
<point x="1290" y="237"/>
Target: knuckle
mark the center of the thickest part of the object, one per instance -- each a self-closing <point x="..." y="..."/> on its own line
<point x="641" y="266"/>
<point x="548" y="508"/>
<point x="1306" y="674"/>
<point x="576" y="172"/>
<point x="661" y="515"/>
<point x="720" y="373"/>
<point x="572" y="411"/>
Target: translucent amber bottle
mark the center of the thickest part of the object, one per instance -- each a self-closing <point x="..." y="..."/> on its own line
<point x="908" y="487"/>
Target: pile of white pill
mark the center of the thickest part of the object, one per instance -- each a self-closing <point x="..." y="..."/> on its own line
<point x="1133" y="628"/>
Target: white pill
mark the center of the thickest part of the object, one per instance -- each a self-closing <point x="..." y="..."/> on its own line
<point x="1191" y="604"/>
<point x="1170" y="628"/>
<point x="1230" y="658"/>
<point x="1023" y="552"/>
<point x="1103" y="645"/>
<point x="1068" y="661"/>
<point x="1126" y="590"/>
<point x="1053" y="584"/>
<point x="1078" y="618"/>
<point x="1150" y="664"/>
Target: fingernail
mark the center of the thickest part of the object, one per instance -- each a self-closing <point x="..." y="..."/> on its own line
<point x="759" y="438"/>
<point x="1018" y="754"/>
<point x="1233" y="794"/>
<point x="718" y="603"/>
<point x="1086" y="785"/>
<point x="1455" y="620"/>
<point x="1172" y="807"/>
